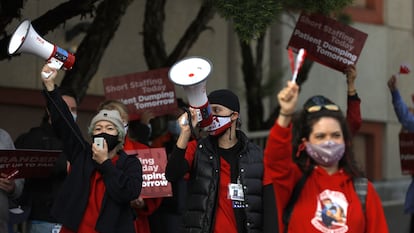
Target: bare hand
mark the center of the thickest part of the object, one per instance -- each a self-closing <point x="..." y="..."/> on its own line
<point x="185" y="133"/>
<point x="392" y="83"/>
<point x="184" y="122"/>
<point x="98" y="154"/>
<point x="146" y="117"/>
<point x="288" y="98"/>
<point x="138" y="203"/>
<point x="48" y="77"/>
<point x="351" y="74"/>
<point x="7" y="185"/>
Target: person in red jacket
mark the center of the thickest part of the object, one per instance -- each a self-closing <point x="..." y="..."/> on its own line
<point x="317" y="143"/>
<point x="353" y="111"/>
<point x="143" y="207"/>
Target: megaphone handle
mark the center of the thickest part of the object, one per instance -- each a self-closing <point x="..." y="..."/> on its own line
<point x="46" y="74"/>
<point x="190" y="120"/>
<point x="55" y="63"/>
<point x="199" y="115"/>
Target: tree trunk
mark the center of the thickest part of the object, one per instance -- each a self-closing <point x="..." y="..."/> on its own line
<point x="252" y="76"/>
<point x="45" y="23"/>
<point x="154" y="47"/>
<point x="92" y="47"/>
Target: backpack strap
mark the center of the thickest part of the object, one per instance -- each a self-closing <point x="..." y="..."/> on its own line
<point x="270" y="210"/>
<point x="361" y="188"/>
<point x="293" y="198"/>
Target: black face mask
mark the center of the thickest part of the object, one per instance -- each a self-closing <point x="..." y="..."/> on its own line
<point x="111" y="140"/>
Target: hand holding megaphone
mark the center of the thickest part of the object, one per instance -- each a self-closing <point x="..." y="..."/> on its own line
<point x="187" y="122"/>
<point x="49" y="71"/>
<point x="48" y="74"/>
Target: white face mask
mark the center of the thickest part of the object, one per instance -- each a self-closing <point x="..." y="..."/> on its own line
<point x="74" y="116"/>
<point x="126" y="128"/>
<point x="219" y="125"/>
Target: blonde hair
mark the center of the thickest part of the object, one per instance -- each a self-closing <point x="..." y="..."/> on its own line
<point x="115" y="105"/>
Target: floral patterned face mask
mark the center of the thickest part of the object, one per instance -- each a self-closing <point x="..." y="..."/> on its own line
<point x="327" y="153"/>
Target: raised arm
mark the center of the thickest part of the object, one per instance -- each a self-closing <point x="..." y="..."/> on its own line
<point x="405" y="117"/>
<point x="278" y="151"/>
<point x="353" y="111"/>
<point x="178" y="164"/>
<point x="61" y="117"/>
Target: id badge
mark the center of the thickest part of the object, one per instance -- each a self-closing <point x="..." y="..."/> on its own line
<point x="235" y="192"/>
<point x="56" y="228"/>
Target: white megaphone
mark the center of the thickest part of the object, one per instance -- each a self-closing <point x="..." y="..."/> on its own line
<point x="191" y="73"/>
<point x="26" y="40"/>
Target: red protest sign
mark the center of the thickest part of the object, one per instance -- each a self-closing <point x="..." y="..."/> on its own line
<point x="145" y="91"/>
<point x="21" y="163"/>
<point x="153" y="162"/>
<point x="407" y="153"/>
<point x="327" y="41"/>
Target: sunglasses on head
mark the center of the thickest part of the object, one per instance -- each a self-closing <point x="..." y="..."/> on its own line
<point x="316" y="108"/>
<point x="316" y="104"/>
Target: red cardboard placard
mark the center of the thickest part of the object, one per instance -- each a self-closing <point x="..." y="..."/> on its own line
<point x="153" y="162"/>
<point x="327" y="41"/>
<point x="406" y="144"/>
<point x="144" y="91"/>
<point x="22" y="163"/>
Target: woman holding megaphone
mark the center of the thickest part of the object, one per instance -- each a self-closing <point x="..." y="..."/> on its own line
<point x="224" y="171"/>
<point x="102" y="181"/>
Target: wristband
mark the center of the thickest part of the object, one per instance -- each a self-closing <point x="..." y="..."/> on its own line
<point x="352" y="92"/>
<point x="285" y="114"/>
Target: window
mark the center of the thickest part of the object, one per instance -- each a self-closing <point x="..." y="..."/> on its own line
<point x="367" y="11"/>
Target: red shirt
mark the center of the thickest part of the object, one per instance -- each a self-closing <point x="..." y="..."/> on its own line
<point x="96" y="194"/>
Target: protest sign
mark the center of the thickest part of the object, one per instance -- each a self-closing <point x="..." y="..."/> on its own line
<point x="21" y="163"/>
<point x="153" y="162"/>
<point x="327" y="41"/>
<point x="407" y="153"/>
<point x="145" y="91"/>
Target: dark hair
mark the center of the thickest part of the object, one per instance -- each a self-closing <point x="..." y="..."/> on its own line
<point x="68" y="92"/>
<point x="63" y="91"/>
<point x="302" y="127"/>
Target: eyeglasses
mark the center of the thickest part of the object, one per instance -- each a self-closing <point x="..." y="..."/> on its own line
<point x="316" y="103"/>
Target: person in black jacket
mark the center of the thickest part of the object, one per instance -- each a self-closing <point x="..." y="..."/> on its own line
<point x="39" y="193"/>
<point x="102" y="181"/>
<point x="225" y="171"/>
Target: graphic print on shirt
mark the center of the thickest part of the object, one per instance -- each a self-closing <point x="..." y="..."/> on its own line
<point x="331" y="212"/>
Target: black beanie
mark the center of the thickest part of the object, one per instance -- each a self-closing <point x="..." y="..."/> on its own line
<point x="226" y="98"/>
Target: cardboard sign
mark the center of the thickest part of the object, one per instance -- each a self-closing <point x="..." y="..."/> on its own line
<point x="153" y="162"/>
<point x="327" y="41"/>
<point x="407" y="153"/>
<point x="21" y="163"/>
<point x="146" y="91"/>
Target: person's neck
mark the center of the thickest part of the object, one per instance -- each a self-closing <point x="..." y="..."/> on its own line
<point x="225" y="141"/>
<point x="330" y="170"/>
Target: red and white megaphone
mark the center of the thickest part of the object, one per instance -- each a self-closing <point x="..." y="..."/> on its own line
<point x="191" y="73"/>
<point x="26" y="40"/>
